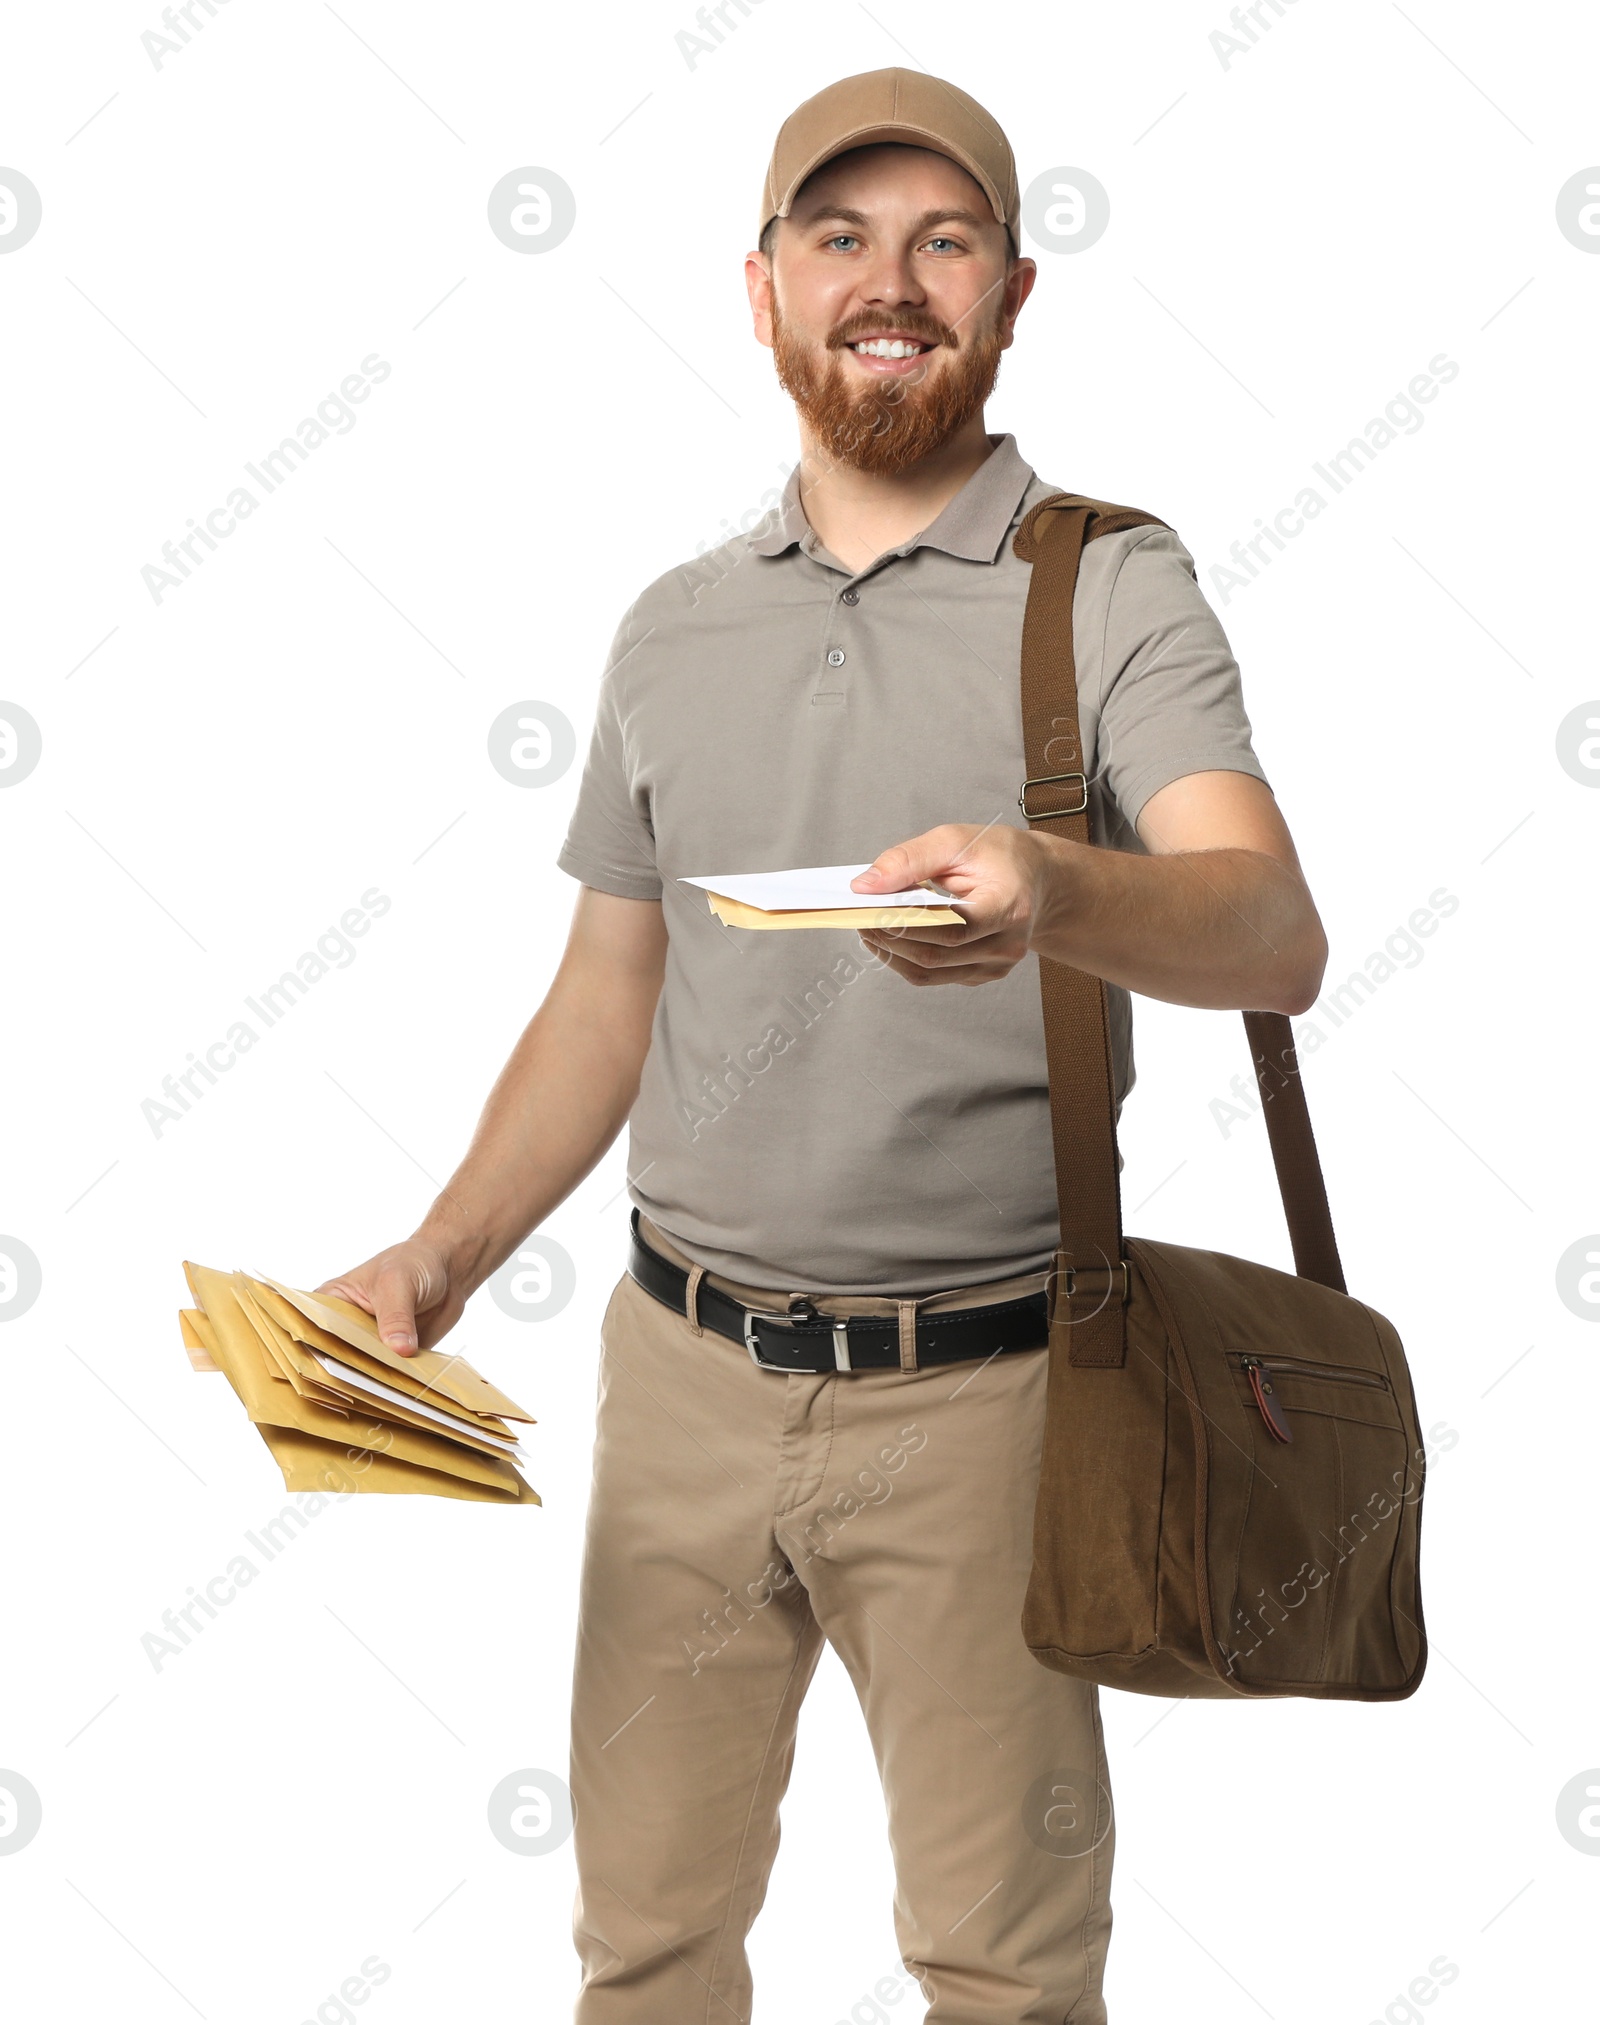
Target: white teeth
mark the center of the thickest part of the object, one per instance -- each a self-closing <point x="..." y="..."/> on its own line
<point x="888" y="348"/>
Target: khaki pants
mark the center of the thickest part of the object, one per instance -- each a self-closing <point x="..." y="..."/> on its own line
<point x="738" y="1518"/>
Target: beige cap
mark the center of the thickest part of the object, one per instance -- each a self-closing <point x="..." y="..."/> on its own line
<point x="893" y="105"/>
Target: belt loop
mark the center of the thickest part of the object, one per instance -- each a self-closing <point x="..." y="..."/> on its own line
<point x="691" y="1299"/>
<point x="908" y="1334"/>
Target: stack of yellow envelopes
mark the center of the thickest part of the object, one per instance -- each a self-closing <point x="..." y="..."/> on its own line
<point x="342" y="1411"/>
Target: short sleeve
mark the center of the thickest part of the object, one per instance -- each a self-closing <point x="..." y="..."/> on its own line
<point x="1172" y="702"/>
<point x="610" y="842"/>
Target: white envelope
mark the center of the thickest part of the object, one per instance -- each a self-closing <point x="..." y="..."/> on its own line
<point x="811" y="887"/>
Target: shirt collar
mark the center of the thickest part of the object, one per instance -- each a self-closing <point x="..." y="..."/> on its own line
<point x="973" y="525"/>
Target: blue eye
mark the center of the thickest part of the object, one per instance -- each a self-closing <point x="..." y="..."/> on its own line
<point x="941" y="241"/>
<point x="842" y="239"/>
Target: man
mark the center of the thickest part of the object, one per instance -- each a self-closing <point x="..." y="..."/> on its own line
<point x="822" y="1382"/>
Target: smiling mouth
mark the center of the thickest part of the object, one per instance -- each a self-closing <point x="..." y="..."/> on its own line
<point x="888" y="348"/>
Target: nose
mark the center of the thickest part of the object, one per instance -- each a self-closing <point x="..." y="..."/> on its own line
<point x="890" y="282"/>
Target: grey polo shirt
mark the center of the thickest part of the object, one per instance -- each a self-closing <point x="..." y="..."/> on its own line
<point x="806" y="1119"/>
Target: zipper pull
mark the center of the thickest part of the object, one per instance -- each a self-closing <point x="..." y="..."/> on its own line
<point x="1267" y="1399"/>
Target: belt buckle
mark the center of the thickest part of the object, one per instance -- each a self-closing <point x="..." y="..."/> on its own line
<point x="751" y="1317"/>
<point x="840" y="1334"/>
<point x="841" y="1341"/>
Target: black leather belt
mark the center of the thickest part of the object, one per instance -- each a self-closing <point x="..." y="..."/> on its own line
<point x="805" y="1340"/>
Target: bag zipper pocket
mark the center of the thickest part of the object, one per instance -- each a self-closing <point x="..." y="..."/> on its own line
<point x="1302" y="1367"/>
<point x="1259" y="1369"/>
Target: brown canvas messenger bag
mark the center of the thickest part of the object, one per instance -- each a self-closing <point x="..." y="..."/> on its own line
<point x="1231" y="1483"/>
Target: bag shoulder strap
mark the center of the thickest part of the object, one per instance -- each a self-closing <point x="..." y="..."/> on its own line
<point x="1089" y="1282"/>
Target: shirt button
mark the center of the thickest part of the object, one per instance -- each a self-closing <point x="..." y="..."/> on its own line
<point x="849" y="597"/>
<point x="836" y="658"/>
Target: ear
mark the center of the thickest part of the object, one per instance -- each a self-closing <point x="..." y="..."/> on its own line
<point x="1018" y="287"/>
<point x="758" y="285"/>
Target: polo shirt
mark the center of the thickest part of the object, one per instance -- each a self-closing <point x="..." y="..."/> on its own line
<point x="807" y="1120"/>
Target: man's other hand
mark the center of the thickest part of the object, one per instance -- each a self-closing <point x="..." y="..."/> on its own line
<point x="407" y="1292"/>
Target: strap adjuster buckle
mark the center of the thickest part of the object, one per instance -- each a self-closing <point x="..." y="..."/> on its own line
<point x="1070" y="1278"/>
<point x="1049" y="780"/>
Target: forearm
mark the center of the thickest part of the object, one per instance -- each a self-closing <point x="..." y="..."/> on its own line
<point x="554" y="1110"/>
<point x="1218" y="928"/>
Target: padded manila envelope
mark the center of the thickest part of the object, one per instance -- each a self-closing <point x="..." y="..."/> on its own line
<point x="739" y="914"/>
<point x="309" y="1464"/>
<point x="198" y="1339"/>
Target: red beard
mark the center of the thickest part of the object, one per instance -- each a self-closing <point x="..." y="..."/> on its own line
<point x="886" y="426"/>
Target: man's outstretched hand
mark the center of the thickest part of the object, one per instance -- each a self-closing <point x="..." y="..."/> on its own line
<point x="997" y="877"/>
<point x="1214" y="910"/>
<point x="407" y="1292"/>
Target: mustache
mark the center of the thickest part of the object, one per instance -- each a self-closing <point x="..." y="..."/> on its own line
<point x="925" y="330"/>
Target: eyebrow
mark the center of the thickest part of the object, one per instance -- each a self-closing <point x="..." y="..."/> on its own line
<point x="849" y="217"/>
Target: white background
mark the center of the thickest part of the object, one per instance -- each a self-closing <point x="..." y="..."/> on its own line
<point x="1294" y="235"/>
